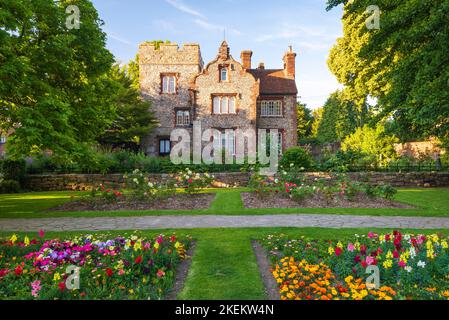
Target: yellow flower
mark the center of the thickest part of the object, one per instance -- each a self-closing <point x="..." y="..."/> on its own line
<point x="340" y="245"/>
<point x="177" y="245"/>
<point x="13" y="238"/>
<point x="156" y="245"/>
<point x="387" y="264"/>
<point x="56" y="277"/>
<point x="26" y="241"/>
<point x="138" y="245"/>
<point x="444" y="244"/>
<point x="389" y="255"/>
<point x="331" y="251"/>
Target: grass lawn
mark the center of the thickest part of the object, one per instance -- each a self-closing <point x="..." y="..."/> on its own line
<point x="428" y="202"/>
<point x="224" y="266"/>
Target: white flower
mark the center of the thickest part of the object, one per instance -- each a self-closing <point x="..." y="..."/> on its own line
<point x="276" y="180"/>
<point x="187" y="177"/>
<point x="292" y="165"/>
<point x="136" y="181"/>
<point x="412" y="252"/>
<point x="150" y="185"/>
<point x="421" y="264"/>
<point x="408" y="269"/>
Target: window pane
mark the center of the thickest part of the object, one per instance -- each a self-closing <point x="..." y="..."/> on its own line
<point x="172" y="85"/>
<point x="216" y="105"/>
<point x="167" y="146"/>
<point x="232" y="105"/>
<point x="164" y="84"/>
<point x="224" y="105"/>
<point x="224" y="74"/>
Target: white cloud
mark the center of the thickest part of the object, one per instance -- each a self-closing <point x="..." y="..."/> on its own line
<point x="214" y="27"/>
<point x="181" y="6"/>
<point x="315" y="38"/>
<point x="120" y="39"/>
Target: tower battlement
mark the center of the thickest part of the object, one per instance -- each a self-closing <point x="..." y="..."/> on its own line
<point x="170" y="53"/>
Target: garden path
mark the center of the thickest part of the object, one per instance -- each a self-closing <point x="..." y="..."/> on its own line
<point x="215" y="221"/>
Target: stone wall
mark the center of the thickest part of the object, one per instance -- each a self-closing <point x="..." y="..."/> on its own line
<point x="86" y="181"/>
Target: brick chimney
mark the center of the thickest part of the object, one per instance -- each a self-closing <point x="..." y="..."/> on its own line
<point x="246" y="58"/>
<point x="290" y="63"/>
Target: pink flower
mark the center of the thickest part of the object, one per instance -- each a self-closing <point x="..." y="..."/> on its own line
<point x="41" y="233"/>
<point x="351" y="247"/>
<point x="402" y="264"/>
<point x="370" y="260"/>
<point x="36" y="287"/>
<point x="372" y="235"/>
<point x="160" y="273"/>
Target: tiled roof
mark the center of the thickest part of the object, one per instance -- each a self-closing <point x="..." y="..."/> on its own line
<point x="274" y="82"/>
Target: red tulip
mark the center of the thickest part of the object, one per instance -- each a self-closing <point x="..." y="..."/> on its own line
<point x="61" y="286"/>
<point x="138" y="260"/>
<point x="109" y="272"/>
<point x="338" y="251"/>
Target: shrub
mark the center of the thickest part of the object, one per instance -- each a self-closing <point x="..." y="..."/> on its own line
<point x="386" y="191"/>
<point x="296" y="157"/>
<point x="373" y="143"/>
<point x="141" y="188"/>
<point x="105" y="193"/>
<point x="9" y="186"/>
<point x="193" y="182"/>
<point x="14" y="170"/>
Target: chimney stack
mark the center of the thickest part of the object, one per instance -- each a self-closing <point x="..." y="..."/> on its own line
<point x="246" y="58"/>
<point x="290" y="63"/>
<point x="262" y="66"/>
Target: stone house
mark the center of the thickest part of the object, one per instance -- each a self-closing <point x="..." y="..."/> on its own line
<point x="225" y="94"/>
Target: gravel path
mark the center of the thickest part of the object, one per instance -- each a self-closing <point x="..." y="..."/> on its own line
<point x="188" y="222"/>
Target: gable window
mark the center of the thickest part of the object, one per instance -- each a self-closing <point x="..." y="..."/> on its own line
<point x="224" y="76"/>
<point x="168" y="84"/>
<point x="164" y="147"/>
<point x="271" y="108"/>
<point x="182" y="118"/>
<point x="224" y="105"/>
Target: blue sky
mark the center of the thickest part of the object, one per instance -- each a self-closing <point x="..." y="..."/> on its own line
<point x="266" y="27"/>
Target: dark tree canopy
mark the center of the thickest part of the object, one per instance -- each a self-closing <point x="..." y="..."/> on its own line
<point x="404" y="64"/>
<point x="53" y="90"/>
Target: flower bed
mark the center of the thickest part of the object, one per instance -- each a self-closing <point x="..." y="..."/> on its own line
<point x="109" y="268"/>
<point x="140" y="193"/>
<point x="412" y="267"/>
<point x="292" y="190"/>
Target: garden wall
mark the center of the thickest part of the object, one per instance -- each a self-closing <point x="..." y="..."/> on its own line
<point x="87" y="181"/>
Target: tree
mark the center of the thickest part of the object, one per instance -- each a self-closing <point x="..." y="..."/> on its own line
<point x="53" y="92"/>
<point x="373" y="143"/>
<point x="404" y="64"/>
<point x="133" y="117"/>
<point x="305" y="121"/>
<point x="339" y="119"/>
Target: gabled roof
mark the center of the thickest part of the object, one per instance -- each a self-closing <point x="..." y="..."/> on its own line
<point x="274" y="81"/>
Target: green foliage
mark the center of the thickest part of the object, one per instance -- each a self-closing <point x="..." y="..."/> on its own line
<point x="143" y="189"/>
<point x="192" y="182"/>
<point x="339" y="118"/>
<point x="9" y="186"/>
<point x="14" y="170"/>
<point x="305" y="121"/>
<point x="404" y="64"/>
<point x="134" y="119"/>
<point x="376" y="147"/>
<point x="296" y="157"/>
<point x="55" y="94"/>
